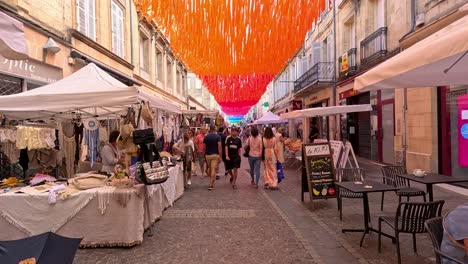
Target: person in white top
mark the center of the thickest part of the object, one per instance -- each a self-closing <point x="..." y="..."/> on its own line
<point x="110" y="155"/>
<point x="186" y="147"/>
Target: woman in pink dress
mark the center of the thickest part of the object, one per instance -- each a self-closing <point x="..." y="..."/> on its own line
<point x="271" y="152"/>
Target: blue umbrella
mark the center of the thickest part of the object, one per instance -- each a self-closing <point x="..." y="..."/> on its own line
<point x="44" y="248"/>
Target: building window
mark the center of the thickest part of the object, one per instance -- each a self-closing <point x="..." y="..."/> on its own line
<point x="144" y="56"/>
<point x="86" y="17"/>
<point x="159" y="65"/>
<point x="169" y="74"/>
<point x="118" y="38"/>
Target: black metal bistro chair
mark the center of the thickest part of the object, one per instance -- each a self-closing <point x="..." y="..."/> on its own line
<point x="390" y="177"/>
<point x="344" y="175"/>
<point x="436" y="231"/>
<point x="410" y="218"/>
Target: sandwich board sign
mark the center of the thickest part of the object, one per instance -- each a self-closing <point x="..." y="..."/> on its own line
<point x="319" y="178"/>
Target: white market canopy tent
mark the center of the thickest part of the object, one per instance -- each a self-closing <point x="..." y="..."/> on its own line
<point x="156" y="102"/>
<point x="325" y="111"/>
<point x="269" y="118"/>
<point x="89" y="91"/>
<point x="438" y="60"/>
<point x="211" y="113"/>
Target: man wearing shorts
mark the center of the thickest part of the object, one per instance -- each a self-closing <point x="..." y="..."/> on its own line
<point x="233" y="158"/>
<point x="200" y="146"/>
<point x="212" y="145"/>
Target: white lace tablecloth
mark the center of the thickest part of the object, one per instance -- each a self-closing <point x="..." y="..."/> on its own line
<point x="97" y="215"/>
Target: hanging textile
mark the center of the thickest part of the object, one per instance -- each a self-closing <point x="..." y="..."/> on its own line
<point x="91" y="140"/>
<point x="236" y="47"/>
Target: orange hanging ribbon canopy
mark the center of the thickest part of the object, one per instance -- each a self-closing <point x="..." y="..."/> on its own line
<point x="236" y="47"/>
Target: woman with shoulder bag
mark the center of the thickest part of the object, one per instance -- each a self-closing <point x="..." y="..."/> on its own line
<point x="280" y="158"/>
<point x="186" y="146"/>
<point x="255" y="145"/>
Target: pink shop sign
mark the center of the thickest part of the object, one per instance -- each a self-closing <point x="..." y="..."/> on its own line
<point x="463" y="131"/>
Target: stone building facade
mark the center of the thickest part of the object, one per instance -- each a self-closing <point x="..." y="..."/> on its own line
<point x="109" y="33"/>
<point x="406" y="125"/>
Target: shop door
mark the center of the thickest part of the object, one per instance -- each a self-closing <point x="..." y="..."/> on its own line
<point x="387" y="133"/>
<point x="359" y="127"/>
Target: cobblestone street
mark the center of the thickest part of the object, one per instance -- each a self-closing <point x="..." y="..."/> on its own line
<point x="260" y="226"/>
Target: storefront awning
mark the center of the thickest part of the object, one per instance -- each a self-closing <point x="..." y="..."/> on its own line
<point x="12" y="40"/>
<point x="325" y="111"/>
<point x="438" y="60"/>
<point x="159" y="103"/>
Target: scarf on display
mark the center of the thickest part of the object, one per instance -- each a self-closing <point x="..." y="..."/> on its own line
<point x="92" y="141"/>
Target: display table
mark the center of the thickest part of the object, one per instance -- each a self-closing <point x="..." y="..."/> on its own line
<point x="103" y="217"/>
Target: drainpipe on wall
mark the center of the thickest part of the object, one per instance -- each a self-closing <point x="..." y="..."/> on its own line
<point x="335" y="133"/>
<point x="131" y="31"/>
<point x="405" y="92"/>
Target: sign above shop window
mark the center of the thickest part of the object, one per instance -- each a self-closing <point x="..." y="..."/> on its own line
<point x="296" y="105"/>
<point x="344" y="62"/>
<point x="31" y="70"/>
<point x="348" y="93"/>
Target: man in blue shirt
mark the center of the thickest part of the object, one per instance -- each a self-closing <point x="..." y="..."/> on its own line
<point x="212" y="142"/>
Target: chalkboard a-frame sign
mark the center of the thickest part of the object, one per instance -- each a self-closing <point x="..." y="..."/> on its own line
<point x="319" y="178"/>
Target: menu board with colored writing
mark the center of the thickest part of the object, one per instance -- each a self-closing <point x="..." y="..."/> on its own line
<point x="319" y="169"/>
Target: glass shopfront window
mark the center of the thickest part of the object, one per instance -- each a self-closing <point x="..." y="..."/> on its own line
<point x="453" y="121"/>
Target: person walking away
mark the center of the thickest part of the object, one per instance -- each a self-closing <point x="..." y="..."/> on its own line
<point x="255" y="155"/>
<point x="223" y="154"/>
<point x="233" y="158"/>
<point x="201" y="151"/>
<point x="314" y="132"/>
<point x="110" y="155"/>
<point x="192" y="138"/>
<point x="455" y="239"/>
<point x="271" y="152"/>
<point x="213" y="151"/>
<point x="280" y="158"/>
<point x="186" y="147"/>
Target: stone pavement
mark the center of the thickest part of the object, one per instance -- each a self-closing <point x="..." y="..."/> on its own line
<point x="250" y="225"/>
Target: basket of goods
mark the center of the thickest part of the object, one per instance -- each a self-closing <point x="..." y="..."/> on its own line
<point x="293" y="144"/>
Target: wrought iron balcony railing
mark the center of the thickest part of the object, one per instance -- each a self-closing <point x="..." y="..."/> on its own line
<point x="321" y="72"/>
<point x="374" y="48"/>
<point x="348" y="66"/>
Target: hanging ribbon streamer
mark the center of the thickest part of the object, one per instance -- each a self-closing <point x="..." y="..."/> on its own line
<point x="236" y="47"/>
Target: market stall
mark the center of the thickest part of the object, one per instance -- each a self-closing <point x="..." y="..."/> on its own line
<point x="269" y="118"/>
<point x="65" y="122"/>
<point x="105" y="217"/>
<point x="320" y="158"/>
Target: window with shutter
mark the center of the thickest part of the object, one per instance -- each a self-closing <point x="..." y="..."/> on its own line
<point x="92" y="19"/>
<point x="316" y="53"/>
<point x="86" y="17"/>
<point x="118" y="43"/>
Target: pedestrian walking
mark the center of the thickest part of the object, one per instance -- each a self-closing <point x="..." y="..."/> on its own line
<point x="201" y="151"/>
<point x="192" y="138"/>
<point x="233" y="158"/>
<point x="254" y="142"/>
<point x="221" y="133"/>
<point x="270" y="176"/>
<point x="314" y="132"/>
<point x="280" y="158"/>
<point x="212" y="146"/>
<point x="186" y="147"/>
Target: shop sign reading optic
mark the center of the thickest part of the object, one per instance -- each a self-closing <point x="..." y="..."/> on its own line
<point x="31" y="69"/>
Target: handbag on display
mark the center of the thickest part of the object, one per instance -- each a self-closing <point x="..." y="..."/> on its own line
<point x="152" y="172"/>
<point x="143" y="136"/>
